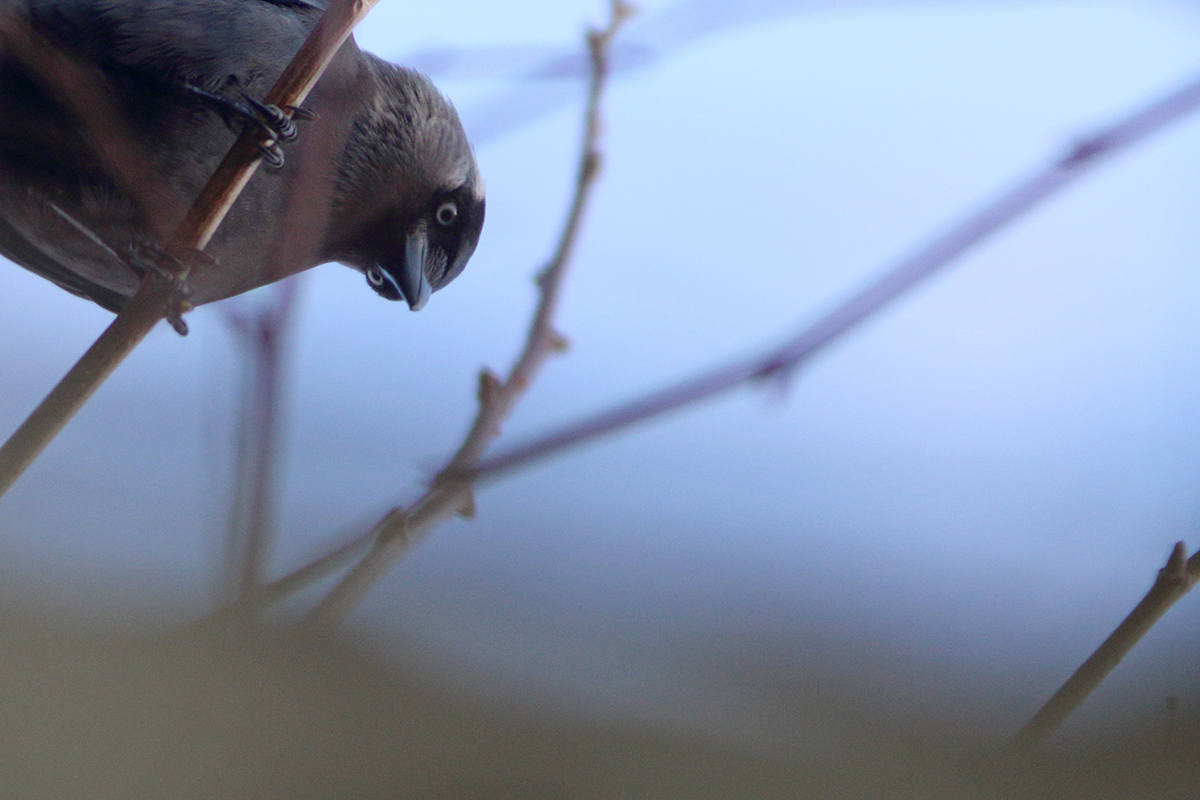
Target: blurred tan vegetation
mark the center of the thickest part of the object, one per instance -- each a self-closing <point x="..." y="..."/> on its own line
<point x="233" y="712"/>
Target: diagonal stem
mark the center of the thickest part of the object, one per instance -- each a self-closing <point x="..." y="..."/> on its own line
<point x="1174" y="581"/>
<point x="148" y="306"/>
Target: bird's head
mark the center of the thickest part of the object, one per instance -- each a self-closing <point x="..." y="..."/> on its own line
<point x="410" y="200"/>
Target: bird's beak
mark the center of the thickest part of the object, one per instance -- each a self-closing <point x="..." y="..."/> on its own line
<point x="413" y="283"/>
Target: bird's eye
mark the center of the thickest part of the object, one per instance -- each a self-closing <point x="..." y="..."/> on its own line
<point x="375" y="276"/>
<point x="446" y="214"/>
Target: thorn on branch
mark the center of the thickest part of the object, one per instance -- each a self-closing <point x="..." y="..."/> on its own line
<point x="557" y="342"/>
<point x="1086" y="150"/>
<point x="592" y="163"/>
<point x="776" y="378"/>
<point x="467" y="509"/>
<point x="777" y="372"/>
<point x="1176" y="569"/>
<point x="489" y="387"/>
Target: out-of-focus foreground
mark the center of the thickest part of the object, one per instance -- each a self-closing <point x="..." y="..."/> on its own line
<point x="234" y="713"/>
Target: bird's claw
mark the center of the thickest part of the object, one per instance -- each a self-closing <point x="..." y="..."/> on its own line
<point x="280" y="126"/>
<point x="174" y="316"/>
<point x="275" y="119"/>
<point x="274" y="123"/>
<point x="281" y="121"/>
<point x="272" y="154"/>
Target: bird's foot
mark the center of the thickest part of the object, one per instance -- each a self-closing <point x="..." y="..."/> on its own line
<point x="279" y="123"/>
<point x="280" y="120"/>
<point x="174" y="266"/>
<point x="274" y="123"/>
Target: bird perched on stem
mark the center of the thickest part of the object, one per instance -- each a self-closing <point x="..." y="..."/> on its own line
<point x="378" y="174"/>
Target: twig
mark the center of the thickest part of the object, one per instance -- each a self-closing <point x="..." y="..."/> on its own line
<point x="315" y="571"/>
<point x="53" y="413"/>
<point x="158" y="298"/>
<point x="781" y="362"/>
<point x="264" y="340"/>
<point x="401" y="530"/>
<point x="1174" y="581"/>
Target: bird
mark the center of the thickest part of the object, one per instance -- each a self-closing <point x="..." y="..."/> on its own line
<point x="376" y="172"/>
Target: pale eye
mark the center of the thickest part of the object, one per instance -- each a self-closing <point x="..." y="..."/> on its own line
<point x="375" y="276"/>
<point x="446" y="214"/>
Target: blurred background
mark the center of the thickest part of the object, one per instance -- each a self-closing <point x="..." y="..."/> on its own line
<point x="949" y="510"/>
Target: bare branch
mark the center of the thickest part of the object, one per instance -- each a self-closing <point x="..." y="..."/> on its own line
<point x="251" y="523"/>
<point x="1174" y="581"/>
<point x="781" y="362"/>
<point x="277" y="591"/>
<point x="401" y="530"/>
<point x="53" y="413"/>
<point x="158" y="297"/>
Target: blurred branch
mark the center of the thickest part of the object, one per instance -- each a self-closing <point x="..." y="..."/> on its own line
<point x="1174" y="581"/>
<point x="402" y="529"/>
<point x="354" y="539"/>
<point x="263" y="337"/>
<point x="526" y="62"/>
<point x="780" y="363"/>
<point x="160" y="296"/>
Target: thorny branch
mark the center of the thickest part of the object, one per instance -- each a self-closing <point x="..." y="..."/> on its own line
<point x="450" y="494"/>
<point x="159" y="297"/>
<point x="1174" y="581"/>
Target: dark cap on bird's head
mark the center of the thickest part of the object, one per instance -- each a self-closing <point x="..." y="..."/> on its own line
<point x="410" y="200"/>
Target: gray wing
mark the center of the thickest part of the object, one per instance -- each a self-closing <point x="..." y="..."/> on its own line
<point x="16" y="248"/>
<point x="145" y="47"/>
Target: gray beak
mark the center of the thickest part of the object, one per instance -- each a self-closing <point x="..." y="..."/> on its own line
<point x="413" y="283"/>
